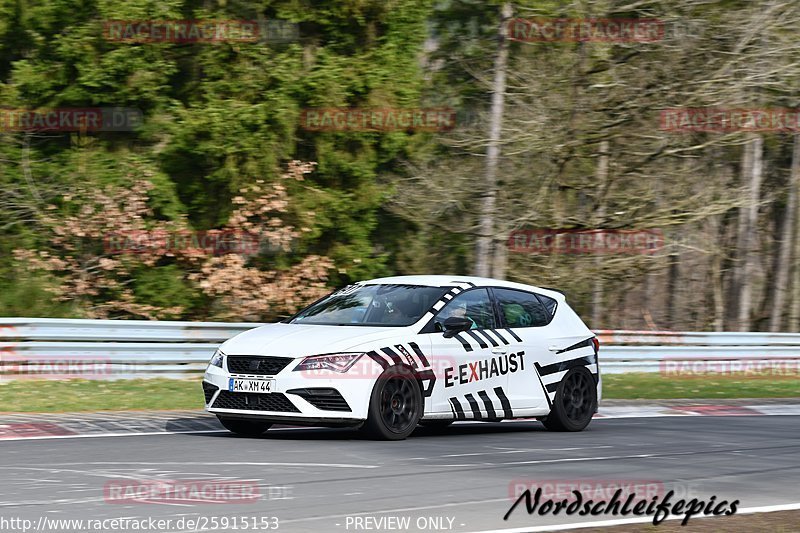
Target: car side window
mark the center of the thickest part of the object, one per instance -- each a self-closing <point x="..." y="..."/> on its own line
<point x="521" y="309"/>
<point x="549" y="303"/>
<point x="474" y="304"/>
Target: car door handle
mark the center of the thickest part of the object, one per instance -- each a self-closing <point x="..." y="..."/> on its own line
<point x="502" y="350"/>
<point x="553" y="348"/>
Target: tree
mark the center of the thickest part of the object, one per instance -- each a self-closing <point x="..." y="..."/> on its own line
<point x="487" y="244"/>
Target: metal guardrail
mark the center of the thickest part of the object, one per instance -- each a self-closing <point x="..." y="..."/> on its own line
<point x="109" y="349"/>
<point x="66" y="329"/>
<point x="694" y="352"/>
<point x="709" y="338"/>
<point x="118" y="349"/>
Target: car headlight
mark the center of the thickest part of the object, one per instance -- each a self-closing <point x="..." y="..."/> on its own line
<point x="337" y="362"/>
<point x="216" y="359"/>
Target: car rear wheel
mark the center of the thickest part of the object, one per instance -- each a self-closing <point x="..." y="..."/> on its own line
<point x="575" y="402"/>
<point x="395" y="406"/>
<point x="245" y="428"/>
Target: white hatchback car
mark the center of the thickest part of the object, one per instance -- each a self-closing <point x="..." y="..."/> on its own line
<point x="390" y="353"/>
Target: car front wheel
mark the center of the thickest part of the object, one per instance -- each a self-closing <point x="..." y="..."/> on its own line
<point x="395" y="406"/>
<point x="575" y="402"/>
<point x="245" y="428"/>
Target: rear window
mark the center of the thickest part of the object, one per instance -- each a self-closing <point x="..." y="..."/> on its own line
<point x="549" y="304"/>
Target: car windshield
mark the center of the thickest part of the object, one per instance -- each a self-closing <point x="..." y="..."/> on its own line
<point x="371" y="305"/>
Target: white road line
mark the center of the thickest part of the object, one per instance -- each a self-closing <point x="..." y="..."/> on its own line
<point x="637" y="520"/>
<point x="62" y="501"/>
<point x="605" y="458"/>
<point x="54" y="466"/>
<point x="521" y="451"/>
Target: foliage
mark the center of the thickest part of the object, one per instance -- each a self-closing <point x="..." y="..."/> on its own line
<point x="220" y="122"/>
<point x="221" y="140"/>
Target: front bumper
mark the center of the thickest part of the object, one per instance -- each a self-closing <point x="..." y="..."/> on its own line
<point x="321" y="398"/>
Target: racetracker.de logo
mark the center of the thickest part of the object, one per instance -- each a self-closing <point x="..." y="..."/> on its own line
<point x="186" y="491"/>
<point x="597" y="489"/>
<point x="722" y="120"/>
<point x="574" y="241"/>
<point x="19" y="366"/>
<point x="569" y="30"/>
<point x="211" y="242"/>
<point x="199" y="31"/>
<point x="366" y="367"/>
<point x="71" y="119"/>
<point x="766" y="366"/>
<point x="377" y="119"/>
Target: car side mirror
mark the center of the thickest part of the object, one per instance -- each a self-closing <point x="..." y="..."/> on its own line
<point x="456" y="324"/>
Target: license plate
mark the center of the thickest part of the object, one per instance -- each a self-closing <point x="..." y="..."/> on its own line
<point x="251" y="385"/>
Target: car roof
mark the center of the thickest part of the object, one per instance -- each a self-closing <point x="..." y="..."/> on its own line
<point x="449" y="280"/>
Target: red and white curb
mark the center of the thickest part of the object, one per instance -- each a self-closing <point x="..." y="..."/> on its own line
<point x="649" y="411"/>
<point x="34" y="426"/>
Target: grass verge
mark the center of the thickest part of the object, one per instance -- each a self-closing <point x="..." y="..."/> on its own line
<point x="46" y="396"/>
<point x="654" y="386"/>
<point x="144" y="394"/>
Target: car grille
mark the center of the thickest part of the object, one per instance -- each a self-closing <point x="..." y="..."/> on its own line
<point x="208" y="391"/>
<point x="273" y="401"/>
<point x="323" y="398"/>
<point x="248" y="364"/>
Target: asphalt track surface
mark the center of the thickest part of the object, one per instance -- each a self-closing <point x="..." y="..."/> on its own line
<point x="322" y="480"/>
